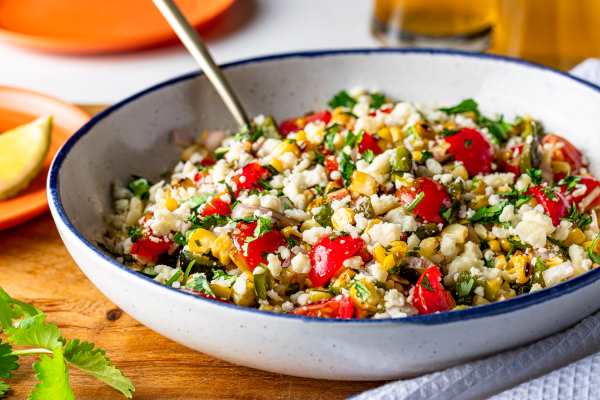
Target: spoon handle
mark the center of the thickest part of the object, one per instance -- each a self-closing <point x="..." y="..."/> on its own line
<point x="192" y="41"/>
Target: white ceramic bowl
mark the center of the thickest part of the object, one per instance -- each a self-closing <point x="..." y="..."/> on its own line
<point x="131" y="138"/>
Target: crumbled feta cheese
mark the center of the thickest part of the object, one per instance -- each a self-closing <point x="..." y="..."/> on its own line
<point x="300" y="264"/>
<point x="558" y="273"/>
<point x="385" y="233"/>
<point x="384" y="203"/>
<point x="312" y="235"/>
<point x="534" y="226"/>
<point x="274" y="265"/>
<point x="499" y="179"/>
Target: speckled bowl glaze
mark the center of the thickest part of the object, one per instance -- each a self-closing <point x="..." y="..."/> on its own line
<point x="132" y="138"/>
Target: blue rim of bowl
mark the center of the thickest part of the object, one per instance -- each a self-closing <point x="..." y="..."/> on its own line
<point x="487" y="310"/>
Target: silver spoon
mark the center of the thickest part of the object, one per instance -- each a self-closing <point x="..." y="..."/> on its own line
<point x="194" y="44"/>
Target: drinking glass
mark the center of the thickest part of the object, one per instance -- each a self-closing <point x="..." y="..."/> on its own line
<point x="462" y="24"/>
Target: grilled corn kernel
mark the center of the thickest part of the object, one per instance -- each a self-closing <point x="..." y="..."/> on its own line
<point x="478" y="300"/>
<point x="363" y="183"/>
<point x="554" y="261"/>
<point x="277" y="164"/>
<point x="342" y="217"/>
<point x="200" y="241"/>
<point x="458" y="233"/>
<point x="500" y="262"/>
<point x="389" y="262"/>
<point x="300" y="136"/>
<point x="494" y="246"/>
<point x="398" y="248"/>
<point x="311" y="223"/>
<point x="397" y="134"/>
<point x="238" y="259"/>
<point x="170" y="203"/>
<point x="243" y="291"/>
<point x="222" y="288"/>
<point x="576" y="236"/>
<point x="429" y="246"/>
<point x="343" y="280"/>
<point x="385" y="134"/>
<point x="379" y="253"/>
<point x="479" y="201"/>
<point x="505" y="244"/>
<point x="340" y="116"/>
<point x="221" y="247"/>
<point x="461" y="172"/>
<point x="291" y="231"/>
<point x="365" y="296"/>
<point x="517" y="268"/>
<point x="492" y="288"/>
<point x="287" y="146"/>
<point x="315" y="295"/>
<point x="370" y="224"/>
<point x="417" y="155"/>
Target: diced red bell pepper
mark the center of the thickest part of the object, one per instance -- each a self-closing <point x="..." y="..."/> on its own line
<point x="591" y="197"/>
<point x="250" y="177"/>
<point x="553" y="201"/>
<point x="334" y="308"/>
<point x="327" y="257"/>
<point x="512" y="163"/>
<point x="216" y="206"/>
<point x="295" y="124"/>
<point x="470" y="147"/>
<point x="368" y="142"/>
<point x="198" y="177"/>
<point x="435" y="197"/>
<point x="149" y="250"/>
<point x="429" y="295"/>
<point x="565" y="151"/>
<point x="331" y="164"/>
<point x="320" y="116"/>
<point x="207" y="162"/>
<point x="254" y="251"/>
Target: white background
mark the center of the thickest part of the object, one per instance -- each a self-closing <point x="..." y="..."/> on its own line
<point x="249" y="28"/>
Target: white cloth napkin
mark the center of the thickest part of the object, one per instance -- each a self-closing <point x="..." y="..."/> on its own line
<point x="564" y="366"/>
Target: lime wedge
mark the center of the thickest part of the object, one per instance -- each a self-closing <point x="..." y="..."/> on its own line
<point x="22" y="154"/>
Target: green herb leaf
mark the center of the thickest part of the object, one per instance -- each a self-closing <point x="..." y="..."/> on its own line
<point x="489" y="215"/>
<point x="330" y="133"/>
<point x="53" y="376"/>
<point x="135" y="233"/>
<point x="362" y="291"/>
<point x="4" y="388"/>
<point x="220" y="152"/>
<point x="175" y="277"/>
<point x="467" y="105"/>
<point x="342" y="99"/>
<point x="413" y="204"/>
<point x="140" y="187"/>
<point x="93" y="361"/>
<point x="516" y="244"/>
<point x="200" y="284"/>
<point x="499" y="129"/>
<point x="35" y="331"/>
<point x="580" y="219"/>
<point x="197" y="200"/>
<point x="220" y="275"/>
<point x="535" y="174"/>
<point x="595" y="257"/>
<point x="263" y="225"/>
<point x="347" y="167"/>
<point x="570" y="182"/>
<point x="449" y="132"/>
<point x="180" y="239"/>
<point x="377" y="100"/>
<point x="426" y="284"/>
<point x="354" y="140"/>
<point x="8" y="361"/>
<point x="11" y="309"/>
<point x="208" y="222"/>
<point x="368" y="155"/>
<point x="465" y="284"/>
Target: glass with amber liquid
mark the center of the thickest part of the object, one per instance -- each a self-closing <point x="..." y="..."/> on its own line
<point x="463" y="24"/>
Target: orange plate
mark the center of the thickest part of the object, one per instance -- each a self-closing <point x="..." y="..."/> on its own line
<point x="18" y="106"/>
<point x="96" y="26"/>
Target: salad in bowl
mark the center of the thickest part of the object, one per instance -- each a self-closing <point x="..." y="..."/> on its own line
<point x="368" y="208"/>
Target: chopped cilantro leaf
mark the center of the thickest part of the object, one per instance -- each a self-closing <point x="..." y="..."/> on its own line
<point x="535" y="174"/>
<point x="342" y="99"/>
<point x="362" y="291"/>
<point x="467" y="105"/>
<point x="580" y="219"/>
<point x="347" y="167"/>
<point x="368" y="155"/>
<point x="140" y="187"/>
<point x="263" y="225"/>
<point x="377" y="100"/>
<point x="426" y="284"/>
<point x="464" y="285"/>
<point x="570" y="182"/>
<point x="499" y="129"/>
<point x="489" y="215"/>
<point x="134" y="232"/>
<point x="449" y="132"/>
<point x="179" y="238"/>
<point x="516" y="244"/>
<point x="354" y="140"/>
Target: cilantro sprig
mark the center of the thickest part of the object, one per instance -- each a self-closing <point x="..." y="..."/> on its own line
<point x="25" y="326"/>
